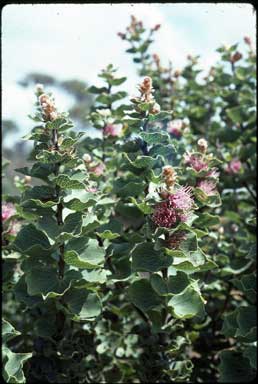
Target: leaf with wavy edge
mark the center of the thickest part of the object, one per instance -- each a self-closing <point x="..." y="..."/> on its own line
<point x="88" y="254"/>
<point x="31" y="241"/>
<point x="187" y="304"/>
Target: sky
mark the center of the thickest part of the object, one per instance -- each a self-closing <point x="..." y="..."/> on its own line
<point x="78" y="40"/>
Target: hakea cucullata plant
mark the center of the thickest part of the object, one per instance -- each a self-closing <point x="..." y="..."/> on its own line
<point x="135" y="257"/>
<point x="159" y="234"/>
<point x="219" y="105"/>
<point x="56" y="245"/>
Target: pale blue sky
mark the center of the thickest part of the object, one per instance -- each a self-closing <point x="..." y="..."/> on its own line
<point x="77" y="41"/>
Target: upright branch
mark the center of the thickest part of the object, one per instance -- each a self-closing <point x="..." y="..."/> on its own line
<point x="49" y="113"/>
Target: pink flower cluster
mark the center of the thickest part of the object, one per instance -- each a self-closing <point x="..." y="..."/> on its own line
<point x="98" y="170"/>
<point x="234" y="166"/>
<point x="196" y="162"/>
<point x="175" y="127"/>
<point x="207" y="186"/>
<point x="175" y="209"/>
<point x="111" y="130"/>
<point x="8" y="210"/>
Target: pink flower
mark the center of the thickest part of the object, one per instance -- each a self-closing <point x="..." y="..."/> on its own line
<point x="208" y="187"/>
<point x="175" y="127"/>
<point x="234" y="166"/>
<point x="8" y="210"/>
<point x="182" y="199"/>
<point x="163" y="216"/>
<point x="195" y="162"/>
<point x="176" y="208"/>
<point x="111" y="130"/>
<point x="98" y="169"/>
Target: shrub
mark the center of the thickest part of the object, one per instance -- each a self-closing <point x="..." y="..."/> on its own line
<point x="135" y="261"/>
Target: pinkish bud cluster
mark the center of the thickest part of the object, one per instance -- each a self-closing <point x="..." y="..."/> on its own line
<point x="177" y="208"/>
<point x="196" y="162"/>
<point x="146" y="89"/>
<point x="234" y="166"/>
<point x="48" y="107"/>
<point x="169" y="175"/>
<point x="135" y="25"/>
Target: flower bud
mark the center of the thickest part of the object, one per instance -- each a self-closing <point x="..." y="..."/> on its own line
<point x="226" y="46"/>
<point x="177" y="73"/>
<point x="156" y="27"/>
<point x="86" y="158"/>
<point x="27" y="179"/>
<point x="60" y="140"/>
<point x="39" y="88"/>
<point x="236" y="57"/>
<point x="44" y="98"/>
<point x="122" y="35"/>
<point x="156" y="58"/>
<point x="146" y="88"/>
<point x="247" y="40"/>
<point x="48" y="107"/>
<point x="169" y="175"/>
<point x="234" y="227"/>
<point x="221" y="230"/>
<point x="202" y="145"/>
<point x="234" y="166"/>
